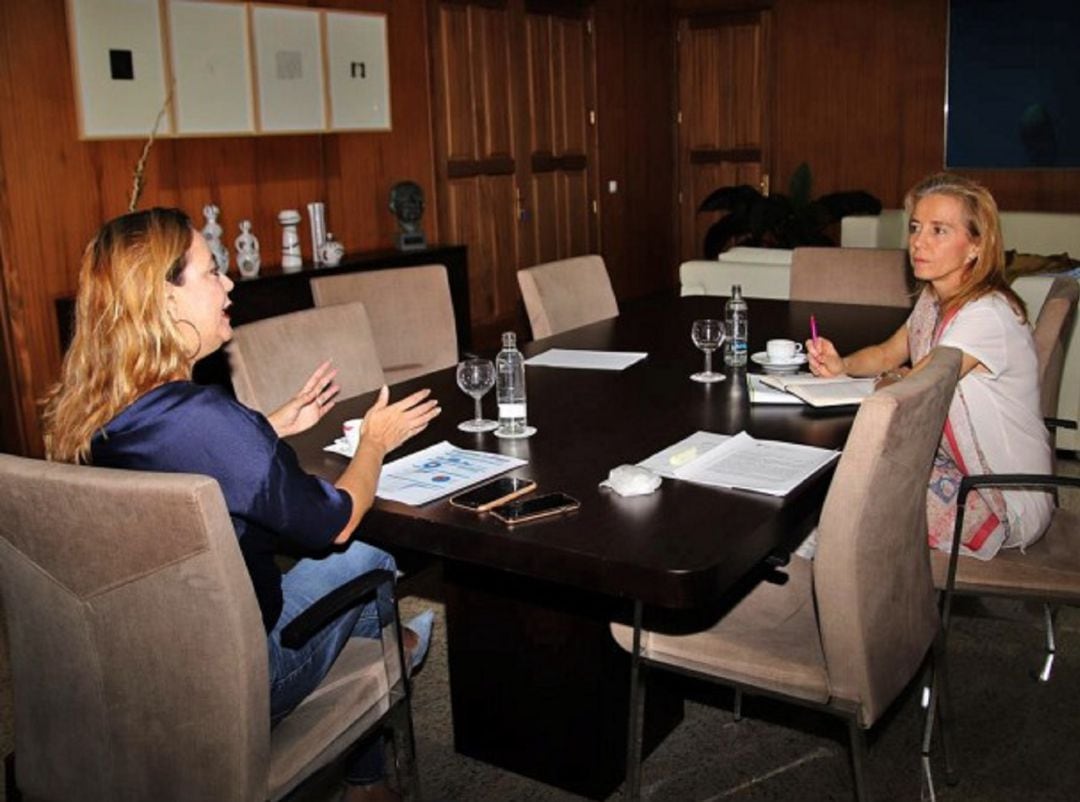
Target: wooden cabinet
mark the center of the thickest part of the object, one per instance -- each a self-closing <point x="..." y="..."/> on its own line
<point x="277" y="293"/>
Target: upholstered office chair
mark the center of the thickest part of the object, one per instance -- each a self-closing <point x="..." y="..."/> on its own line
<point x="847" y="632"/>
<point x="567" y="294"/>
<point x="873" y="276"/>
<point x="411" y="314"/>
<point x="1049" y="569"/>
<point x="271" y="359"/>
<point x="138" y="654"/>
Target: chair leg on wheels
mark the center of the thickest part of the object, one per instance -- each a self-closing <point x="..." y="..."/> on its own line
<point x="632" y="786"/>
<point x="944" y="711"/>
<point x="1049" y="614"/>
<point x="738" y="704"/>
<point x="857" y="739"/>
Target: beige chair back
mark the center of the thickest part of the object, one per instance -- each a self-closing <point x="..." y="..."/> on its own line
<point x="137" y="649"/>
<point x="411" y="314"/>
<point x="871" y="276"/>
<point x="271" y="359"/>
<point x="876" y="603"/>
<point x="1052" y="331"/>
<point x="567" y="294"/>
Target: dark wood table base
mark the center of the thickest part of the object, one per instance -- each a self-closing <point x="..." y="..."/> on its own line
<point x="537" y="684"/>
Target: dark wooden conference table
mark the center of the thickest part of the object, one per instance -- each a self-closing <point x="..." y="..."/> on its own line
<point x="537" y="684"/>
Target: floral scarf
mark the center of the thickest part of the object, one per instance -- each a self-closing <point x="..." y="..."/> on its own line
<point x="986" y="522"/>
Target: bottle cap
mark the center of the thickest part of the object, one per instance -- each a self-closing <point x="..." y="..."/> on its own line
<point x="509" y="339"/>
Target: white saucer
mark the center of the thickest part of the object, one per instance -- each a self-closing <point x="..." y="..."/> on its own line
<point x="787" y="366"/>
<point x="529" y="432"/>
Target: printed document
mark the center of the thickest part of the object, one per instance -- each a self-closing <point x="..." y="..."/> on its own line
<point x="438" y="471"/>
<point x="587" y="360"/>
<point x="763" y="466"/>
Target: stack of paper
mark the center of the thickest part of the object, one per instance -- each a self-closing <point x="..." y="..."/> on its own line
<point x="587" y="360"/>
<point x="763" y="466"/>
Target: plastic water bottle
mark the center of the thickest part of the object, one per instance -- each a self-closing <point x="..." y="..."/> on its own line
<point x="510" y="386"/>
<point x="737" y="324"/>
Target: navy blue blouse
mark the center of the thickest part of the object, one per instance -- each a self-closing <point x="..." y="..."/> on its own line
<point x="182" y="427"/>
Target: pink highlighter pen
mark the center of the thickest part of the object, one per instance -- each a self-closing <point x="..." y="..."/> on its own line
<point x="813" y="331"/>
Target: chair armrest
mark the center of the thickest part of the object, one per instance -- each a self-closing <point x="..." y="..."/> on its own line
<point x="356" y="591"/>
<point x="969" y="483"/>
<point x="1059" y="423"/>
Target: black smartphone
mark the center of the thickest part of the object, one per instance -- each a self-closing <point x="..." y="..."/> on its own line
<point x="491" y="494"/>
<point x="530" y="509"/>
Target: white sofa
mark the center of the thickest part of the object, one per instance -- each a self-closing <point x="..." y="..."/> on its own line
<point x="764" y="273"/>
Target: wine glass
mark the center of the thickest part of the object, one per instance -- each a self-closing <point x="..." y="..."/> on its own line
<point x="708" y="335"/>
<point x="475" y="377"/>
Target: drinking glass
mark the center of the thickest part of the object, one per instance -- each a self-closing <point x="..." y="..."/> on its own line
<point x="475" y="377"/>
<point x="708" y="335"/>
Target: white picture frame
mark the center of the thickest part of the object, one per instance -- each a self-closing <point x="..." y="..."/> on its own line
<point x="210" y="57"/>
<point x="358" y="71"/>
<point x="117" y="56"/>
<point x="288" y="69"/>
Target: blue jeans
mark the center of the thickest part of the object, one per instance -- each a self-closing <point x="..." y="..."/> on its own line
<point x="295" y="673"/>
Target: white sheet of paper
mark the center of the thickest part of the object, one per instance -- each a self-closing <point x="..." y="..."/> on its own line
<point x="685" y="451"/>
<point x="585" y="360"/>
<point x="761" y="393"/>
<point x="437" y="471"/>
<point x="763" y="466"/>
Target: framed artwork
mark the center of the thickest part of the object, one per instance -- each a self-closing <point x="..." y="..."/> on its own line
<point x="358" y="71"/>
<point x="288" y="69"/>
<point x="211" y="65"/>
<point x="117" y="58"/>
<point x="1013" y="98"/>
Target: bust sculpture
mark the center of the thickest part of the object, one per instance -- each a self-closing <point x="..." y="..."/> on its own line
<point x="407" y="205"/>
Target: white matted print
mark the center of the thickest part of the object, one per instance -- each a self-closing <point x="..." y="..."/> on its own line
<point x="119" y="67"/>
<point x="358" y="70"/>
<point x="288" y="69"/>
<point x="211" y="65"/>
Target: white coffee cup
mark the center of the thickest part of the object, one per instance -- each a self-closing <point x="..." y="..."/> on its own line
<point x="352" y="428"/>
<point x="782" y="350"/>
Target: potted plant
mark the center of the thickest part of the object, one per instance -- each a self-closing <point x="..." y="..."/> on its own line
<point x="779" y="221"/>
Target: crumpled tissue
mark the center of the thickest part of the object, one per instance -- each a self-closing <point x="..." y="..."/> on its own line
<point x="632" y="480"/>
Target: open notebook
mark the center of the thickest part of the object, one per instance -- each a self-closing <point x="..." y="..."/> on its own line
<point x="821" y="392"/>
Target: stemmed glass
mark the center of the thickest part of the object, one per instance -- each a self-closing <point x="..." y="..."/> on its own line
<point x="475" y="377"/>
<point x="708" y="335"/>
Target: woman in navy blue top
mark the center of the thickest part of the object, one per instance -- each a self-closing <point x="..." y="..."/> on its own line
<point x="152" y="302"/>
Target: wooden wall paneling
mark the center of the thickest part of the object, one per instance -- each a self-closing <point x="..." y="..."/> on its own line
<point x="543" y="222"/>
<point x="455" y="84"/>
<point x="501" y="235"/>
<point x="636" y="102"/>
<point x="543" y="137"/>
<point x="492" y="75"/>
<point x="574" y="194"/>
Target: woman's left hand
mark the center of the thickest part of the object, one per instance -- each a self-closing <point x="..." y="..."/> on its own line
<point x="307" y="407"/>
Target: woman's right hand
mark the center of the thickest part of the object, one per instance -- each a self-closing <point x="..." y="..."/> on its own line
<point x="823" y="358"/>
<point x="388" y="425"/>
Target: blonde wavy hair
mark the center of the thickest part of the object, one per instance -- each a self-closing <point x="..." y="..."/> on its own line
<point x="125" y="342"/>
<point x="987" y="274"/>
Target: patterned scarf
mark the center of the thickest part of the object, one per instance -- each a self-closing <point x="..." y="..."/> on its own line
<point x="986" y="522"/>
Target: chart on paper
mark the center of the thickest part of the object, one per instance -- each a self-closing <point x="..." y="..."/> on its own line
<point x="438" y="471"/>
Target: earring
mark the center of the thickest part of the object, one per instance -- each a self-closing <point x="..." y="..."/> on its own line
<point x="198" y="337"/>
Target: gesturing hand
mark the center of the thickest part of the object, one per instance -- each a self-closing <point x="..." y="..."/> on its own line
<point x="389" y="425"/>
<point x="307" y="407"/>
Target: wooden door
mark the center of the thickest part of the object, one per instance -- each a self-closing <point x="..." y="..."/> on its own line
<point x="515" y="141"/>
<point x="723" y="121"/>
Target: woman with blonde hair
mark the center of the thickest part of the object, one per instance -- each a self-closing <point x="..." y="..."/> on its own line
<point x="995" y="423"/>
<point x="151" y="302"/>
